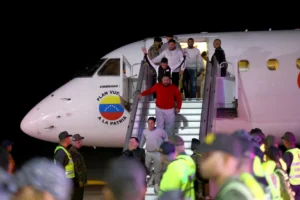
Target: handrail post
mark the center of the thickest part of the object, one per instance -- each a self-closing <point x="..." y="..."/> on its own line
<point x="236" y="80"/>
<point x="134" y="105"/>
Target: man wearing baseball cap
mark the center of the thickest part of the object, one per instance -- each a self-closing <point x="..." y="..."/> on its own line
<point x="79" y="166"/>
<point x="222" y="156"/>
<point x="62" y="156"/>
<point x="292" y="160"/>
<point x="178" y="175"/>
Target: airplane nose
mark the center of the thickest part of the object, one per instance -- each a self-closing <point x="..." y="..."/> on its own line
<point x="29" y="124"/>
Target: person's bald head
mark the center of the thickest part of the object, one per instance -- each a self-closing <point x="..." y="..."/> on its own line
<point x="217" y="43"/>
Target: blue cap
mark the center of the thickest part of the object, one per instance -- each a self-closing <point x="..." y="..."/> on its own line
<point x="7" y="143"/>
<point x="167" y="148"/>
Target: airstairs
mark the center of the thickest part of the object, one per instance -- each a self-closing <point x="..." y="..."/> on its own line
<point x="187" y="125"/>
<point x="194" y="120"/>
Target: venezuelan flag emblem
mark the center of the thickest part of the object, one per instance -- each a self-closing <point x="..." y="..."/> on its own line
<point x="110" y="107"/>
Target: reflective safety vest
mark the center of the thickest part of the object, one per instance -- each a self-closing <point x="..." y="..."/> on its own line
<point x="272" y="179"/>
<point x="294" y="174"/>
<point x="180" y="175"/>
<point x="259" y="172"/>
<point x="69" y="168"/>
<point x="254" y="187"/>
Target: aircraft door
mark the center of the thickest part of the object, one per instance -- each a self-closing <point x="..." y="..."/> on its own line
<point x="127" y="86"/>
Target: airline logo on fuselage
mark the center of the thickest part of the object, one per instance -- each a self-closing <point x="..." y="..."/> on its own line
<point x="110" y="108"/>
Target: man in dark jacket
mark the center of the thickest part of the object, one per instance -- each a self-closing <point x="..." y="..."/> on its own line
<point x="199" y="183"/>
<point x="134" y="151"/>
<point x="220" y="56"/>
<point x="79" y="166"/>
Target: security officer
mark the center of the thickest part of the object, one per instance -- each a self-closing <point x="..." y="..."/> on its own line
<point x="62" y="156"/>
<point x="154" y="49"/>
<point x="7" y="144"/>
<point x="199" y="183"/>
<point x="80" y="167"/>
<point x="226" y="152"/>
<point x="292" y="160"/>
<point x="246" y="166"/>
<point x="178" y="142"/>
<point x="273" y="164"/>
<point x="178" y="176"/>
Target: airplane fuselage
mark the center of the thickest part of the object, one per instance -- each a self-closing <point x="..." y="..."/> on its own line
<point x="91" y="104"/>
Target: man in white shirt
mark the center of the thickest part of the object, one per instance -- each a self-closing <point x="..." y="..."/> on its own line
<point x="175" y="60"/>
<point x="193" y="67"/>
<point x="166" y="45"/>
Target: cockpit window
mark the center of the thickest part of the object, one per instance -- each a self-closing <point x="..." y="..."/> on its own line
<point x="110" y="68"/>
<point x="90" y="70"/>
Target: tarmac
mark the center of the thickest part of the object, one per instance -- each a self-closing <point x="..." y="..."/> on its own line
<point x="93" y="193"/>
<point x="96" y="161"/>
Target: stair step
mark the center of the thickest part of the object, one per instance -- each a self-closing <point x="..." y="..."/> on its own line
<point x="192" y="100"/>
<point x="150" y="197"/>
<point x="178" y="125"/>
<point x="184" y="105"/>
<point x="180" y="131"/>
<point x="178" y="117"/>
<point x="183" y="111"/>
<point x="150" y="190"/>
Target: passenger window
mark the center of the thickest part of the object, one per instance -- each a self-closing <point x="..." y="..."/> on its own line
<point x="298" y="63"/>
<point x="110" y="68"/>
<point x="273" y="64"/>
<point x="244" y="65"/>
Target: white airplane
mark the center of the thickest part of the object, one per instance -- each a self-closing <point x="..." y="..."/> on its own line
<point x="91" y="103"/>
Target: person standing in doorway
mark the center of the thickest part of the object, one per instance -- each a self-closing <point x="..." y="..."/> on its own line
<point x="220" y="56"/>
<point x="165" y="103"/>
<point x="79" y="166"/>
<point x="193" y="67"/>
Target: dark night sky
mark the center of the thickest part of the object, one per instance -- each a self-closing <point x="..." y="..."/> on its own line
<point x="43" y="51"/>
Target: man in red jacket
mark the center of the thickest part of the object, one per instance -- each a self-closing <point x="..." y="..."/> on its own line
<point x="165" y="102"/>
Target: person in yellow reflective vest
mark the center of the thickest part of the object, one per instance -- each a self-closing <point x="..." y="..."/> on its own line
<point x="273" y="179"/>
<point x="62" y="156"/>
<point x="222" y="154"/>
<point x="292" y="160"/>
<point x="179" y="174"/>
<point x="273" y="164"/>
<point x="260" y="191"/>
<point x="199" y="183"/>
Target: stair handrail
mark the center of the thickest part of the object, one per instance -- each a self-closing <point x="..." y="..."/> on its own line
<point x="212" y="95"/>
<point x="133" y="111"/>
<point x="208" y="104"/>
<point x="205" y="102"/>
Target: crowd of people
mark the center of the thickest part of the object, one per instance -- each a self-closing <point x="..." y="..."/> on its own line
<point x="243" y="165"/>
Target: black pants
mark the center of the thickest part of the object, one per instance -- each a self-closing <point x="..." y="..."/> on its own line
<point x="154" y="79"/>
<point x="296" y="189"/>
<point x="223" y="71"/>
<point x="78" y="192"/>
<point x="175" y="78"/>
